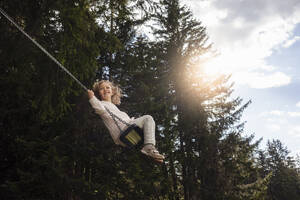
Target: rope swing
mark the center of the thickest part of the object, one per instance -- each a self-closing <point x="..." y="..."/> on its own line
<point x="132" y="136"/>
<point x="44" y="50"/>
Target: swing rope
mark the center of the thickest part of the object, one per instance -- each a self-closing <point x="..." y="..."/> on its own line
<point x="44" y="50"/>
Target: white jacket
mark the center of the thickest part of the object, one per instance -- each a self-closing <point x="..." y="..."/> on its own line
<point x="99" y="107"/>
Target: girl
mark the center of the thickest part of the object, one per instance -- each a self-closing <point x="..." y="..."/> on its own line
<point x="110" y="97"/>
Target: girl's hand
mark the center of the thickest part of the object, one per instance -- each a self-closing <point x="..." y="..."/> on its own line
<point x="90" y="94"/>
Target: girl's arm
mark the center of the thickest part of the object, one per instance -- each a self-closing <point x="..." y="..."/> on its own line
<point x="90" y="94"/>
<point x="95" y="103"/>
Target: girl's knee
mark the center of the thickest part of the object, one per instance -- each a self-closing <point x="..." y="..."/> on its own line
<point x="149" y="117"/>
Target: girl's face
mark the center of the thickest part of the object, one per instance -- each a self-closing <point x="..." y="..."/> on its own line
<point x="105" y="91"/>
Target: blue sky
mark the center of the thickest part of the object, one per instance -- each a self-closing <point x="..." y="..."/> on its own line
<point x="275" y="112"/>
<point x="259" y="44"/>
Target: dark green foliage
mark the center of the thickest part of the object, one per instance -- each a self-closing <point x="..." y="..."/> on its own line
<point x="52" y="144"/>
<point x="212" y="159"/>
<point x="37" y="97"/>
<point x="285" y="181"/>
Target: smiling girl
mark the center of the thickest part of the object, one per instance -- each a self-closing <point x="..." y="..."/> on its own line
<point x="110" y="96"/>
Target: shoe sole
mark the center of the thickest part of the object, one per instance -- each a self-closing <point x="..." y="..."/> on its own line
<point x="144" y="152"/>
<point x="151" y="159"/>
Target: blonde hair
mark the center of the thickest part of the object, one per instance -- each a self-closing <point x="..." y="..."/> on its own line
<point x="117" y="92"/>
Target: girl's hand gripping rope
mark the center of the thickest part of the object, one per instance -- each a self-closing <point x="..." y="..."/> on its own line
<point x="90" y="94"/>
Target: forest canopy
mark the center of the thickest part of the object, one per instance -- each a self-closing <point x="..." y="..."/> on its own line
<point x="53" y="146"/>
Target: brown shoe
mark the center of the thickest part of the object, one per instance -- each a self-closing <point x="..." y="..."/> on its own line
<point x="151" y="151"/>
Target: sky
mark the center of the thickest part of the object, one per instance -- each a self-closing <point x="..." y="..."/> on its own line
<point x="258" y="42"/>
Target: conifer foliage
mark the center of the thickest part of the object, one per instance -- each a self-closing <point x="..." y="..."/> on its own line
<point x="52" y="145"/>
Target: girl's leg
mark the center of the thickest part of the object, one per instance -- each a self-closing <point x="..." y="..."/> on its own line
<point x="147" y="123"/>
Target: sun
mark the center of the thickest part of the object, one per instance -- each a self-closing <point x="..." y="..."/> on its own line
<point x="222" y="65"/>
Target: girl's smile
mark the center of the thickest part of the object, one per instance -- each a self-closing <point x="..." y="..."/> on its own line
<point x="105" y="91"/>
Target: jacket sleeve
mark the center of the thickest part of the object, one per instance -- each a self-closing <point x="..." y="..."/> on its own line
<point x="97" y="105"/>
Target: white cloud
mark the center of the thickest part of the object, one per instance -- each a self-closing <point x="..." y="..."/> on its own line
<point x="276" y="112"/>
<point x="261" y="80"/>
<point x="273" y="127"/>
<point x="294" y="114"/>
<point x="273" y="112"/>
<point x="290" y="42"/>
<point x="246" y="33"/>
<point x="279" y="113"/>
<point x="282" y="126"/>
<point x="276" y="120"/>
<point x="298" y="104"/>
<point x="294" y="131"/>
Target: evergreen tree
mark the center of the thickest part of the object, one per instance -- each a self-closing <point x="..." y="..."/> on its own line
<point x="38" y="98"/>
<point x="284" y="181"/>
<point x="54" y="147"/>
<point x="209" y="156"/>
